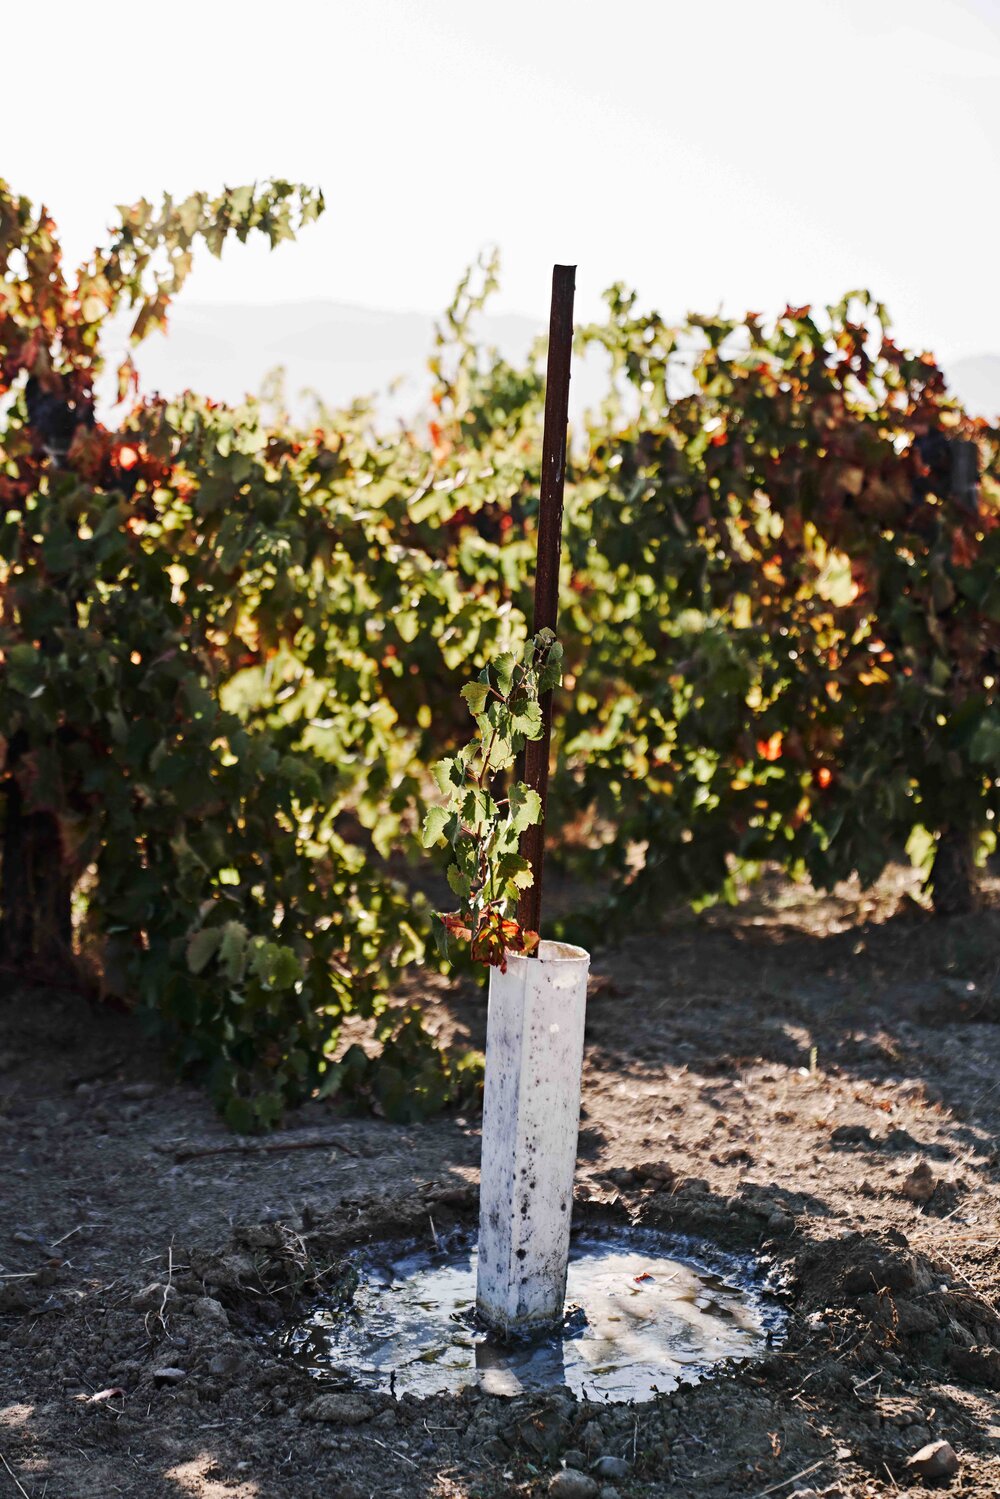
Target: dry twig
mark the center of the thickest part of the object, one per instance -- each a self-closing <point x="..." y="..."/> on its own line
<point x="267" y="1147"/>
<point x="14" y="1476"/>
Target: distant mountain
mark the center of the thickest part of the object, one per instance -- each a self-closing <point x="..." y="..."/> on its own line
<point x="976" y="382"/>
<point x="339" y="351"/>
<point x="342" y="352"/>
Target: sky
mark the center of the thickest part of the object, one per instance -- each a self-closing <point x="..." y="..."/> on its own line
<point x="707" y="152"/>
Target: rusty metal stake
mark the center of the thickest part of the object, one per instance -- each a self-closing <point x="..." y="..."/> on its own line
<point x="546" y="611"/>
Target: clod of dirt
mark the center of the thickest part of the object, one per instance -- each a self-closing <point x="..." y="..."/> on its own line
<point x="542" y="1426"/>
<point x="659" y="1173"/>
<point x="908" y="1307"/>
<point x="978" y="1365"/>
<point x="875" y="1267"/>
<point x="921" y="1183"/>
<point x="210" y="1310"/>
<point x="936" y="1461"/>
<point x="900" y="1140"/>
<point x="15" y="1297"/>
<point x="569" y="1484"/>
<point x="339" y="1410"/>
<point x="228" y="1272"/>
<point x="852" y="1134"/>
<point x="270" y="1266"/>
<point x="154" y="1297"/>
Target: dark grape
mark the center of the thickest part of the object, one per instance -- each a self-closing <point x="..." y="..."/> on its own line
<point x="54" y="419"/>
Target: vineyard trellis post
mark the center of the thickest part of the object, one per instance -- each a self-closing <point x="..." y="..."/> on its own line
<point x="549" y="550"/>
<point x="537" y="1005"/>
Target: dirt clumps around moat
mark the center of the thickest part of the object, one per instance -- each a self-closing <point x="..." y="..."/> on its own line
<point x="813" y="1080"/>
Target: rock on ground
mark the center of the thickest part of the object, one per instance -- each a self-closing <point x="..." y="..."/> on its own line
<point x="569" y="1484"/>
<point x="936" y="1460"/>
<point x="611" y="1467"/>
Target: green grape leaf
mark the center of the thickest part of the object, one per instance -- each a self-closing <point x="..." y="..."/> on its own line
<point x="459" y="882"/>
<point x="503" y="670"/>
<point x="232" y="949"/>
<point x="984" y="747"/>
<point x="516" y="871"/>
<point x="448" y="774"/>
<point x="525" y="806"/>
<point x="202" y="947"/>
<point x="527" y="720"/>
<point x="435" y="822"/>
<point x="475" y="694"/>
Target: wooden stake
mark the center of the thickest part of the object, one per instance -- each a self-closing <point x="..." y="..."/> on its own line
<point x="546" y="609"/>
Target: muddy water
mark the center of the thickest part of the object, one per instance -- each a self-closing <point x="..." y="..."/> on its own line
<point x="639" y="1320"/>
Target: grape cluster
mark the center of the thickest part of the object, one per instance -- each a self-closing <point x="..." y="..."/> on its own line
<point x="54" y="419"/>
<point x="934" y="450"/>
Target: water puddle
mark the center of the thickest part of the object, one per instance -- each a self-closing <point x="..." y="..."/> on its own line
<point x="644" y="1314"/>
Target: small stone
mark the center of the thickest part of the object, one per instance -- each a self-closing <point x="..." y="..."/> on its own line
<point x="574" y="1458"/>
<point x="139" y="1090"/>
<point x="608" y="1492"/>
<point x="919" y="1186"/>
<point x="592" y="1436"/>
<point x="610" y="1467"/>
<point x="210" y="1310"/>
<point x="936" y="1460"/>
<point x="569" y="1484"/>
<point x="339" y="1410"/>
<point x="169" y="1375"/>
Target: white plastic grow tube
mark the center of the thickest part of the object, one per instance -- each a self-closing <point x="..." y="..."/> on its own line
<point x="531" y="1120"/>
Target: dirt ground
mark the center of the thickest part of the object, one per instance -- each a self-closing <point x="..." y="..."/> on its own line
<point x="814" y="1079"/>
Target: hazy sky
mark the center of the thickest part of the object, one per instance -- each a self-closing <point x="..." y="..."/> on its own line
<point x="743" y="152"/>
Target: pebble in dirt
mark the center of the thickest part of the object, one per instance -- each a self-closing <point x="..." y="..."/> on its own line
<point x="647" y="1316"/>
